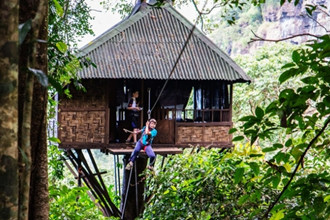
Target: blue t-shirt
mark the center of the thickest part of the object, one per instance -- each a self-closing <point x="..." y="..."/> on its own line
<point x="147" y="139"/>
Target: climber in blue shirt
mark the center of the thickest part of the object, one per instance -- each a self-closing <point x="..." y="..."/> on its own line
<point x="148" y="134"/>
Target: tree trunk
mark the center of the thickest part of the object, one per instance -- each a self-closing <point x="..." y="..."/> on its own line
<point x="39" y="196"/>
<point x="33" y="55"/>
<point x="9" y="109"/>
<point x="134" y="207"/>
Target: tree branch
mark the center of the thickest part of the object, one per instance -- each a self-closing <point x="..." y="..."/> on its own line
<point x="318" y="23"/>
<point x="201" y="13"/>
<point x="208" y="11"/>
<point x="258" y="38"/>
<point x="271" y="206"/>
<point x="321" y="9"/>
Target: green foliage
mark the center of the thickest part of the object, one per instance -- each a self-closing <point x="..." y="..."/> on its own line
<point x="301" y="111"/>
<point x="264" y="67"/>
<point x="55" y="161"/>
<point x="210" y="185"/>
<point x="67" y="21"/>
<point x="289" y="118"/>
<point x="234" y="38"/>
<point x="70" y="202"/>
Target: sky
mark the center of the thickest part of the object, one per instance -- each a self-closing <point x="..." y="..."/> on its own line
<point x="106" y="19"/>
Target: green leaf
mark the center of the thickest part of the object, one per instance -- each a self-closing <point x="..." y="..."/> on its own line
<point x="278" y="206"/>
<point x="285" y="76"/>
<point x="54" y="139"/>
<point x="276" y="180"/>
<point x="59" y="8"/>
<point x="288" y="65"/>
<point x="259" y="112"/>
<point x="278" y="215"/>
<point x="248" y="125"/>
<point x="61" y="47"/>
<point x="23" y="30"/>
<point x="280" y="156"/>
<point x="288" y="143"/>
<point x="296" y="153"/>
<point x="232" y="130"/>
<point x="286" y="93"/>
<point x="287" y="167"/>
<point x="277" y="145"/>
<point x="41" y="76"/>
<point x="248" y="118"/>
<point x="255" y="167"/>
<point x="268" y="149"/>
<point x="296" y="56"/>
<point x="272" y="107"/>
<point x="56" y="85"/>
<point x="238" y="138"/>
<point x="243" y="199"/>
<point x="310" y="80"/>
<point x="238" y="175"/>
<point x="327" y="198"/>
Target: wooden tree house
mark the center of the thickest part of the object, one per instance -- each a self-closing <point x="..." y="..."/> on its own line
<point x="139" y="53"/>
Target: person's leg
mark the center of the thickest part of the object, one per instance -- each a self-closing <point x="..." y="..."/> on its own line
<point x="135" y="135"/>
<point x="136" y="151"/>
<point x="134" y="155"/>
<point x="135" y="128"/>
<point x="129" y="138"/>
<point x="151" y="154"/>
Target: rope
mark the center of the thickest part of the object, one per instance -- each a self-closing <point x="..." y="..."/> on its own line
<point x="127" y="189"/>
<point x="176" y="62"/>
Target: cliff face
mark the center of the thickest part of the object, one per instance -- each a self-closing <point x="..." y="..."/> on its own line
<point x="272" y="21"/>
<point x="281" y="22"/>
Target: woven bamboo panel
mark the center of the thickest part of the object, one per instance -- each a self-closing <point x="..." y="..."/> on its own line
<point x="190" y="134"/>
<point x="94" y="97"/>
<point x="82" y="127"/>
<point x="200" y="134"/>
<point x="216" y="134"/>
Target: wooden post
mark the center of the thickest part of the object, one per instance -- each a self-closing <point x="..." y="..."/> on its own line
<point x="231" y="102"/>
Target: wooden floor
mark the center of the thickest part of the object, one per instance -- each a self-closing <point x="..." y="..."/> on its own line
<point x="157" y="150"/>
<point x="123" y="148"/>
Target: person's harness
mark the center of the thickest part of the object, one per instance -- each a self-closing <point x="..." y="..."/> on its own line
<point x="146" y="138"/>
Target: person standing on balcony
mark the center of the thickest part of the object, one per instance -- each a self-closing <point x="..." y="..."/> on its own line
<point x="148" y="134"/>
<point x="134" y="115"/>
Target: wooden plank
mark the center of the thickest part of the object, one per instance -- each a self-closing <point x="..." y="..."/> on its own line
<point x="156" y="150"/>
<point x="114" y="146"/>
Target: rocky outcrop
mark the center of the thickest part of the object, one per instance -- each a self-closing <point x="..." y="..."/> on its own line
<point x="289" y="20"/>
<point x="274" y="22"/>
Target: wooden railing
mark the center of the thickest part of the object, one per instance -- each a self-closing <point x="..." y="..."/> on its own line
<point x="186" y="115"/>
<point x="183" y="127"/>
<point x="192" y="115"/>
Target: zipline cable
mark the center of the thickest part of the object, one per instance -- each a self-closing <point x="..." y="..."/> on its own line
<point x="149" y="111"/>
<point x="176" y="62"/>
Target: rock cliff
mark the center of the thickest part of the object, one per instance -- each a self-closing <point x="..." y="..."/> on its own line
<point x="273" y="21"/>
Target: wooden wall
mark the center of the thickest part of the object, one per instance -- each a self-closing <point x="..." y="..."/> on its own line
<point x="85" y="117"/>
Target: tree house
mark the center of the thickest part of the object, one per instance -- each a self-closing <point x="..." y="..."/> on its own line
<point x="193" y="105"/>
